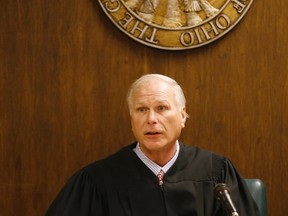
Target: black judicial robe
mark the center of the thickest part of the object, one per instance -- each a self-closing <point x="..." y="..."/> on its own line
<point x="122" y="185"/>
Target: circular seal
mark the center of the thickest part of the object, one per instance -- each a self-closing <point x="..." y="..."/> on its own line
<point x="175" y="24"/>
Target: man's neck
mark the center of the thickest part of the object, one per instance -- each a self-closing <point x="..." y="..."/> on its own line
<point x="154" y="165"/>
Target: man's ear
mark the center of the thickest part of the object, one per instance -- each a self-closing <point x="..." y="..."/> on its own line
<point x="184" y="116"/>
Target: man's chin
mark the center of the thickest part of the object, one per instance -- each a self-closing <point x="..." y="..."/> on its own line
<point x="153" y="145"/>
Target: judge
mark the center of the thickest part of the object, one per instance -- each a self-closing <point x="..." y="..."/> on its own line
<point x="157" y="175"/>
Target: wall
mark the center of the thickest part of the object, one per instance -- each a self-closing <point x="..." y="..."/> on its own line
<point x="64" y="72"/>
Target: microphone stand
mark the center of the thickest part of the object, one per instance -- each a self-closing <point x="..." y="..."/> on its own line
<point x="222" y="193"/>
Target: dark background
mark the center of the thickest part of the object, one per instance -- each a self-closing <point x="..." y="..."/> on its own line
<point x="64" y="72"/>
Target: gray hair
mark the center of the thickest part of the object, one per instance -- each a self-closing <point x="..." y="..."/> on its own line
<point x="178" y="92"/>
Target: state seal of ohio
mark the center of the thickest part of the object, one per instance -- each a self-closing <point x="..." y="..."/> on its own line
<point x="175" y="24"/>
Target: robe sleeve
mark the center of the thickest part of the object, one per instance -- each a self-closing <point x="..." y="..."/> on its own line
<point x="240" y="194"/>
<point x="77" y="197"/>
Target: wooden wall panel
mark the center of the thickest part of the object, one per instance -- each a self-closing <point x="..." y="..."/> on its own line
<point x="64" y="73"/>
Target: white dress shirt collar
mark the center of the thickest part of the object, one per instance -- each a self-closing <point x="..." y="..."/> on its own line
<point x="155" y="168"/>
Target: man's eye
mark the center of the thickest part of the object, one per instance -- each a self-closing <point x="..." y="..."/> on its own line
<point x="141" y="109"/>
<point x="162" y="108"/>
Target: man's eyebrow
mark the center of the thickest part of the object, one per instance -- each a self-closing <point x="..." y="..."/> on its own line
<point x="163" y="101"/>
<point x="156" y="101"/>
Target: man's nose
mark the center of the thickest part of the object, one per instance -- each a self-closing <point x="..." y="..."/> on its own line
<point x="151" y="117"/>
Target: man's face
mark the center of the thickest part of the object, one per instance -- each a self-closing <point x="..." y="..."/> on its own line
<point x="156" y="119"/>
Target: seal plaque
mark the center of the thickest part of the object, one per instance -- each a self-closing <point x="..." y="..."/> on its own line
<point x="175" y="24"/>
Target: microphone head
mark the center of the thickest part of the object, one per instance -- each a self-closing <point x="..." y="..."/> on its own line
<point x="222" y="193"/>
<point x="220" y="190"/>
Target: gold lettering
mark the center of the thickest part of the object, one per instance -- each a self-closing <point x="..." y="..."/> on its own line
<point x="126" y="20"/>
<point x="113" y="7"/>
<point x="198" y="35"/>
<point x="220" y="24"/>
<point x="206" y="31"/>
<point x="152" y="38"/>
<point x="203" y="34"/>
<point x="136" y="27"/>
<point x="186" y="39"/>
<point x="238" y="6"/>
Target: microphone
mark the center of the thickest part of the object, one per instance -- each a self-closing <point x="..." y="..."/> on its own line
<point x="222" y="193"/>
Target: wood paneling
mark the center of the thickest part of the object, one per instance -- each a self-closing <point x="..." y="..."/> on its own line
<point x="64" y="73"/>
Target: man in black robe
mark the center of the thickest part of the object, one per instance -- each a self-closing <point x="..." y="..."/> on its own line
<point x="128" y="182"/>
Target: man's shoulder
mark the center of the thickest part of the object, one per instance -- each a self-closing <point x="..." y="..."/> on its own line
<point x="198" y="151"/>
<point x="119" y="158"/>
<point x="199" y="157"/>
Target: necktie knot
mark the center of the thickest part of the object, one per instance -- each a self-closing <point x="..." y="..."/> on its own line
<point x="160" y="177"/>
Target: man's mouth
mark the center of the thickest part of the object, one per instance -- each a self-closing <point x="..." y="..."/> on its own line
<point x="152" y="133"/>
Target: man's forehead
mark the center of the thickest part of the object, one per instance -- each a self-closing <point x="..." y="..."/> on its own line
<point x="153" y="94"/>
<point x="157" y="96"/>
<point x="154" y="87"/>
<point x="156" y="100"/>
